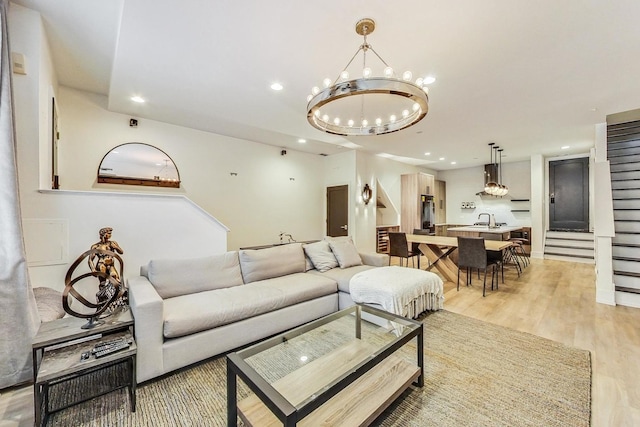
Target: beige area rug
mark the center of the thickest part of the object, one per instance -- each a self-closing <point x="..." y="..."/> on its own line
<point x="476" y="374"/>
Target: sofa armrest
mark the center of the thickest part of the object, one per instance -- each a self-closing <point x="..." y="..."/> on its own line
<point x="375" y="259"/>
<point x="147" y="309"/>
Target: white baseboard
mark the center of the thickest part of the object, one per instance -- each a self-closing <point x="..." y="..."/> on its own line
<point x="606" y="296"/>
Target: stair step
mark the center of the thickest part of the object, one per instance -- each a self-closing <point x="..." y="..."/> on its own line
<point x="627" y="174"/>
<point x="626" y="214"/>
<point x="628" y="253"/>
<point x="567" y="243"/>
<point x="625" y="166"/>
<point x="630" y="265"/>
<point x="618" y="160"/>
<point x="622" y="151"/>
<point x="569" y="251"/>
<point x="569" y="235"/>
<point x="626" y="183"/>
<point x="626" y="273"/>
<point x="629" y="290"/>
<point x="626" y="238"/>
<point x="625" y="193"/>
<point x="626" y="204"/>
<point x="620" y="258"/>
<point x="624" y="226"/>
<point x="626" y="245"/>
<point x="561" y="257"/>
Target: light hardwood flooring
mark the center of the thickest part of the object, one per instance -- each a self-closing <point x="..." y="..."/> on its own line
<point x="552" y="299"/>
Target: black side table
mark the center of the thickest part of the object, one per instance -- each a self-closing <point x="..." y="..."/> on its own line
<point x="57" y="350"/>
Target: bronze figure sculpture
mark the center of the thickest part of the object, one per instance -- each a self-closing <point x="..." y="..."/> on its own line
<point x="106" y="265"/>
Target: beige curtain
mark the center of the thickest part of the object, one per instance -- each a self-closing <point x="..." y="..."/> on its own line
<point x="18" y="313"/>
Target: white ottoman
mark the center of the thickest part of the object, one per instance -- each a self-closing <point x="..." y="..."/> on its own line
<point x="404" y="291"/>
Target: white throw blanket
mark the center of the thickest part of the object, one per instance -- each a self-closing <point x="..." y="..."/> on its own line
<point x="403" y="291"/>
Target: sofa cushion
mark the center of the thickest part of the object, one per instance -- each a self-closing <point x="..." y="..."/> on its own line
<point x="188" y="314"/>
<point x="176" y="277"/>
<point x="321" y="255"/>
<point x="261" y="264"/>
<point x="342" y="275"/>
<point x="345" y="252"/>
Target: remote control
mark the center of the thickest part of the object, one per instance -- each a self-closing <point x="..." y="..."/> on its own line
<point x="107" y="344"/>
<point x="112" y="349"/>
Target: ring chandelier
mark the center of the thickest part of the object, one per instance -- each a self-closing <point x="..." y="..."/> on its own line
<point x="365" y="106"/>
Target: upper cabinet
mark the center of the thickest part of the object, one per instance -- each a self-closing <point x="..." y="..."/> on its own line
<point x="440" y="201"/>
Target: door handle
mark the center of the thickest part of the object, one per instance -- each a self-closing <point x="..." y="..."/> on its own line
<point x="344" y="227"/>
<point x="553" y="197"/>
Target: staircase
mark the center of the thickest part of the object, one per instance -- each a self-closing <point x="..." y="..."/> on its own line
<point x="623" y="152"/>
<point x="569" y="246"/>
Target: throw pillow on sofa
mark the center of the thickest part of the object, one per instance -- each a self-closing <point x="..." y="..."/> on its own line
<point x="175" y="277"/>
<point x="261" y="264"/>
<point x="321" y="255"/>
<point x="345" y="252"/>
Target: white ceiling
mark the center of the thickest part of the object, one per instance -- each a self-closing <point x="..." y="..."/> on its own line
<point x="531" y="76"/>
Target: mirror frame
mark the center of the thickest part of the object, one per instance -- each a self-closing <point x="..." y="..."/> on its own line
<point x="127" y="180"/>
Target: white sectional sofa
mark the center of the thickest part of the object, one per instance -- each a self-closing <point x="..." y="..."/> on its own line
<point x="189" y="310"/>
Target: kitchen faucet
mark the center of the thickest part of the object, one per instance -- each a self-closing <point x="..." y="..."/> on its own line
<point x="492" y="220"/>
<point x="485" y="213"/>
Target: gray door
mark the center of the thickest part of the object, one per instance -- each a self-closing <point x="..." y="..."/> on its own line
<point x="337" y="210"/>
<point x="569" y="194"/>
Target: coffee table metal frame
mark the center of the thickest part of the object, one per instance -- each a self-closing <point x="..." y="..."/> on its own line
<point x="278" y="404"/>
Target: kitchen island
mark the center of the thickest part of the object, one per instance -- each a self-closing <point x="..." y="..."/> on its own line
<point x="502" y="232"/>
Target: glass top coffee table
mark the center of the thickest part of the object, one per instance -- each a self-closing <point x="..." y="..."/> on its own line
<point x="343" y="369"/>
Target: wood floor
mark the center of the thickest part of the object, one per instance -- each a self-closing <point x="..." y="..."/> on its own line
<point x="552" y="299"/>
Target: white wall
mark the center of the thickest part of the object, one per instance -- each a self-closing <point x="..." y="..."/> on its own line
<point x="356" y="169"/>
<point x="30" y="97"/>
<point x="145" y="226"/>
<point x="270" y="194"/>
<point x="463" y="184"/>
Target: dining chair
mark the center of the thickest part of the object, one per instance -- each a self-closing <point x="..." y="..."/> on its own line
<point x="500" y="257"/>
<point x="415" y="247"/>
<point x="399" y="247"/>
<point x="472" y="254"/>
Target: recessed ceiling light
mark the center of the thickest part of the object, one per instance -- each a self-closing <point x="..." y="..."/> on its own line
<point x="427" y="154"/>
<point x="138" y="99"/>
<point x="453" y="163"/>
<point x="565" y="147"/>
<point x="441" y="158"/>
<point x="276" y="86"/>
<point x="302" y="141"/>
<point x="428" y="80"/>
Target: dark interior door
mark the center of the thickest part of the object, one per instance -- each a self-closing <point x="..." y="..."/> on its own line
<point x="569" y="194"/>
<point x="337" y="210"/>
